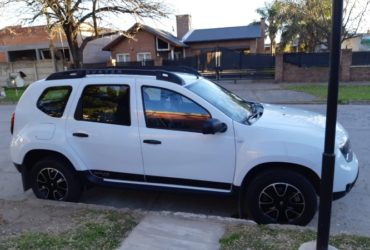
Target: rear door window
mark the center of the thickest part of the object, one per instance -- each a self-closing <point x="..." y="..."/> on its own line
<point x="105" y="104"/>
<point x="54" y="100"/>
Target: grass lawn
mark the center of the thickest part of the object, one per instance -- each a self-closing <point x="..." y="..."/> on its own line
<point x="11" y="94"/>
<point x="347" y="93"/>
<point x="254" y="237"/>
<point x="94" y="230"/>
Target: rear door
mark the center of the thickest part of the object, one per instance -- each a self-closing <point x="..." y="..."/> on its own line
<point x="103" y="130"/>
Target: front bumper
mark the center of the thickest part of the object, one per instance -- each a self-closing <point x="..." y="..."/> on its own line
<point x="338" y="195"/>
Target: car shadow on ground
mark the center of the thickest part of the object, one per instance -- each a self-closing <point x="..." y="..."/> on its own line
<point x="162" y="201"/>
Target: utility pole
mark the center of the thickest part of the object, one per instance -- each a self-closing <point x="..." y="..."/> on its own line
<point x="328" y="159"/>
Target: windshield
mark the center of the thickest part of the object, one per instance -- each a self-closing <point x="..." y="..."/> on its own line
<point x="226" y="101"/>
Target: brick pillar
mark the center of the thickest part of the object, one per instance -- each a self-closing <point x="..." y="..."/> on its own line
<point x="345" y="65"/>
<point x="279" y="67"/>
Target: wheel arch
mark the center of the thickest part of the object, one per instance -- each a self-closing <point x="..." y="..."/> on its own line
<point x="312" y="177"/>
<point x="32" y="157"/>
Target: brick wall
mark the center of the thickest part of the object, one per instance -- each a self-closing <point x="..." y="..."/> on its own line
<point x="360" y="73"/>
<point x="183" y="25"/>
<point x="285" y="72"/>
<point x="17" y="35"/>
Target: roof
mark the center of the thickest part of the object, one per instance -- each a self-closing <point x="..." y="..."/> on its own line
<point x="227" y="33"/>
<point x="164" y="35"/>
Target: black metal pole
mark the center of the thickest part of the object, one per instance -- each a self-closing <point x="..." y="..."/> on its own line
<point x="328" y="159"/>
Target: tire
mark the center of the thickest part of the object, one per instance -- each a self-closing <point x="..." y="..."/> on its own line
<point x="279" y="196"/>
<point x="53" y="178"/>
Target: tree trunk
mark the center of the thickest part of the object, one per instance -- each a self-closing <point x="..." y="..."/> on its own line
<point x="71" y="32"/>
<point x="272" y="40"/>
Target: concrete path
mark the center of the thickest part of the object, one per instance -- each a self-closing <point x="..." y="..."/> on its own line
<point x="156" y="232"/>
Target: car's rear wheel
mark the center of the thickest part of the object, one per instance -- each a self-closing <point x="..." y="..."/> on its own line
<point x="280" y="196"/>
<point x="54" y="179"/>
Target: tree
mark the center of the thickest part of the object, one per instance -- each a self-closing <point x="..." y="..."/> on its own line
<point x="302" y="26"/>
<point x="307" y="22"/>
<point x="70" y="15"/>
<point x="271" y="13"/>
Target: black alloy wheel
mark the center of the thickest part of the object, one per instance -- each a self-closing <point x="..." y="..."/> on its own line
<point x="54" y="178"/>
<point x="279" y="197"/>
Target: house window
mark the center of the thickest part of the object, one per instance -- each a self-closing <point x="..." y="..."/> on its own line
<point x="21" y="55"/>
<point x="45" y="54"/>
<point x="63" y="53"/>
<point x="162" y="45"/>
<point x="144" y="57"/>
<point x="123" y="57"/>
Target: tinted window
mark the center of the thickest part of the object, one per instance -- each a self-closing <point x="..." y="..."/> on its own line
<point x="165" y="109"/>
<point x="105" y="104"/>
<point x="53" y="100"/>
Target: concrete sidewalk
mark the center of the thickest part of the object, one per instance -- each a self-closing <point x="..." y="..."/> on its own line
<point x="158" y="232"/>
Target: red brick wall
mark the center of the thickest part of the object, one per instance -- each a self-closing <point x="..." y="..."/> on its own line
<point x="16" y="35"/>
<point x="285" y="72"/>
<point x="293" y="73"/>
<point x="360" y="73"/>
<point x="2" y="57"/>
<point x="142" y="42"/>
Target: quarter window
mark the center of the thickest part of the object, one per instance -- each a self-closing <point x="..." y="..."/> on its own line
<point x="54" y="100"/>
<point x="105" y="104"/>
<point x="165" y="109"/>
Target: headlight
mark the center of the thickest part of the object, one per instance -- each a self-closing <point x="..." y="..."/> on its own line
<point x="346" y="150"/>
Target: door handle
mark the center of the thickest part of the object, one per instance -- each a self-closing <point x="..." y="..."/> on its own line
<point x="80" y="135"/>
<point x="152" y="142"/>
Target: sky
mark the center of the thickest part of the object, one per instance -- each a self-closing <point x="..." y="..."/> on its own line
<point x="205" y="14"/>
<point x="214" y="13"/>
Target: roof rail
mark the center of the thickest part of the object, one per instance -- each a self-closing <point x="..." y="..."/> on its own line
<point x="70" y="74"/>
<point x="179" y="69"/>
<point x="161" y="73"/>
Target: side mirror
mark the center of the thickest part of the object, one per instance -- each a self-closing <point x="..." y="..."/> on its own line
<point x="213" y="126"/>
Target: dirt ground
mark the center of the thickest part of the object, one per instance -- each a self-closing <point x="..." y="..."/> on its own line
<point x="21" y="216"/>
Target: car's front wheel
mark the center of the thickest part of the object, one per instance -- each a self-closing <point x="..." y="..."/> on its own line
<point x="280" y="196"/>
<point x="54" y="179"/>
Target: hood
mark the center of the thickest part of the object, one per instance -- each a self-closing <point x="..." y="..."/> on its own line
<point x="293" y="119"/>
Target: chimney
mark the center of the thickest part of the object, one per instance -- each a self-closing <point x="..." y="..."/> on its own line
<point x="263" y="27"/>
<point x="183" y="23"/>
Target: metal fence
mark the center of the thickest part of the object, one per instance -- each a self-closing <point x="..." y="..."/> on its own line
<point x="307" y="60"/>
<point x="225" y="63"/>
<point x="361" y="58"/>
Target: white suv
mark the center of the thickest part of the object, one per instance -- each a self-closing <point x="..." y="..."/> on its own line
<point x="172" y="130"/>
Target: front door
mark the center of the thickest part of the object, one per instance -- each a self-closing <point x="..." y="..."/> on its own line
<point x="175" y="151"/>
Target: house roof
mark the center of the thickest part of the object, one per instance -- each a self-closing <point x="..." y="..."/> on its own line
<point x="221" y="34"/>
<point x="164" y="35"/>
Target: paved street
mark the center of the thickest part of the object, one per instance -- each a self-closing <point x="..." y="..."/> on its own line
<point x="350" y="214"/>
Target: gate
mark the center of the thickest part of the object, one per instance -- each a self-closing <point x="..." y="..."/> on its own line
<point x="223" y="63"/>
